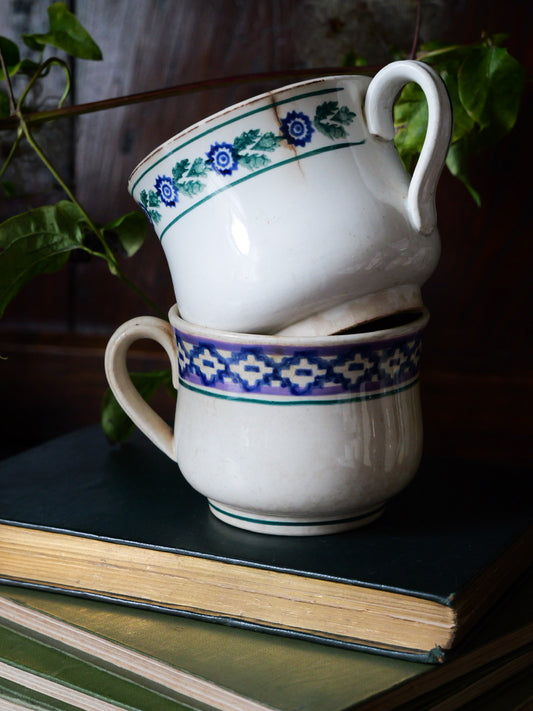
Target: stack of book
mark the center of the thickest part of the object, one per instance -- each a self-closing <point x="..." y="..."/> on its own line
<point x="428" y="607"/>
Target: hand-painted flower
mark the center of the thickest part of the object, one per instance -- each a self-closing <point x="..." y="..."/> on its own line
<point x="166" y="190"/>
<point x="221" y="159"/>
<point x="297" y="128"/>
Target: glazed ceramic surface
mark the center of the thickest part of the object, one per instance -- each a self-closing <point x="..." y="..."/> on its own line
<point x="284" y="435"/>
<point x="295" y="202"/>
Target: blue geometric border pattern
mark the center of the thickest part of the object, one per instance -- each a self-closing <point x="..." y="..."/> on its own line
<point x="324" y="371"/>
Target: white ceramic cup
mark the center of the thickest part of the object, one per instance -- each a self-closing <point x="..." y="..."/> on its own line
<point x="295" y="203"/>
<point x="288" y="436"/>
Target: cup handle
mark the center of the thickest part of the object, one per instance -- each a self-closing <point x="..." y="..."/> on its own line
<point x="380" y="97"/>
<point x="118" y="377"/>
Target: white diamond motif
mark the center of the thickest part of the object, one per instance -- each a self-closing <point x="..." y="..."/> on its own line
<point x="394" y="363"/>
<point x="208" y="364"/>
<point x="252" y="370"/>
<point x="353" y="369"/>
<point x="302" y="372"/>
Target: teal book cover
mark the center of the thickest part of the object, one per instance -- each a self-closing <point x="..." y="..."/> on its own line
<point x="120" y="523"/>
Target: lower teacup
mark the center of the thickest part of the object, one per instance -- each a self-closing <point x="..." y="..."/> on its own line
<point x="284" y="435"/>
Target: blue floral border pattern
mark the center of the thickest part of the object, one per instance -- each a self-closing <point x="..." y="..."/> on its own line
<point x="251" y="150"/>
<point x="361" y="371"/>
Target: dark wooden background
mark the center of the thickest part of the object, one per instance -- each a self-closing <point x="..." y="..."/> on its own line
<point x="477" y="365"/>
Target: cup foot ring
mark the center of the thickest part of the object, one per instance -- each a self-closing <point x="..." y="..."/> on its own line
<point x="292" y="526"/>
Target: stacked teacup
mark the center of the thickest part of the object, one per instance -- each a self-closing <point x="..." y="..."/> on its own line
<point x="293" y="236"/>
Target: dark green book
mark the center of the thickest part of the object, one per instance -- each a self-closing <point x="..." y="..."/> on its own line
<point x="126" y="654"/>
<point x="35" y="674"/>
<point x="121" y="524"/>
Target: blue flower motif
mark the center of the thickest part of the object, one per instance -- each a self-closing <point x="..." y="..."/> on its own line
<point x="222" y="159"/>
<point x="297" y="128"/>
<point x="166" y="190"/>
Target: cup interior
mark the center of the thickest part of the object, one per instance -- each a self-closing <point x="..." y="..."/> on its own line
<point x="384" y="323"/>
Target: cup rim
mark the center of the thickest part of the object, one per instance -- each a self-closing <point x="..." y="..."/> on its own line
<point x="162" y="147"/>
<point x="417" y="324"/>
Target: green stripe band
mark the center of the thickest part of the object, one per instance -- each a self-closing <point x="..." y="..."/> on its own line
<point x="299" y="400"/>
<point x="317" y="151"/>
<point x="300" y="524"/>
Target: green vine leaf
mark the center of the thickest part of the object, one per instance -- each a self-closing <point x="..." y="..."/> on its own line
<point x="37" y="242"/>
<point x="11" y="55"/>
<point x="130" y="230"/>
<point x="463" y="124"/>
<point x="9" y="188"/>
<point x="66" y="33"/>
<point x="115" y="423"/>
<point x="353" y="59"/>
<point x="28" y="67"/>
<point x="490" y="87"/>
<point x="485" y="85"/>
<point x="457" y="164"/>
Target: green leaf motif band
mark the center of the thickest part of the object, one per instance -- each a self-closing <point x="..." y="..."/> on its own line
<point x="252" y="150"/>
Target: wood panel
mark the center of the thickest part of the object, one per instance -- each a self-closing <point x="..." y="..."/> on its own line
<point x="54" y="383"/>
<point x="478" y="348"/>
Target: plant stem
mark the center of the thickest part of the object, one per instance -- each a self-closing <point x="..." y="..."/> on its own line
<point x="443" y="50"/>
<point x="18" y="119"/>
<point x="147" y="300"/>
<point x="10" y="155"/>
<point x="38" y="150"/>
<point x="416" y="38"/>
<point x="108" y="253"/>
<point x="194" y="87"/>
<point x="41" y="69"/>
<point x="12" y="103"/>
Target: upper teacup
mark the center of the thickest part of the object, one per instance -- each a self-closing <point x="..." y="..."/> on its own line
<point x="295" y="202"/>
